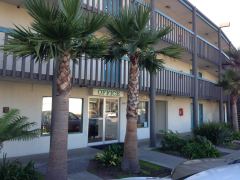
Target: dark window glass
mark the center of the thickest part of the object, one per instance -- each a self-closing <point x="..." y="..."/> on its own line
<point x="142" y="114"/>
<point x="75" y="115"/>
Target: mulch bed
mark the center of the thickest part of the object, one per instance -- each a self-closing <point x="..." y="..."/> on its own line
<point x="147" y="170"/>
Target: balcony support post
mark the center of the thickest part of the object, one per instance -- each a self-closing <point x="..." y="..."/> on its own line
<point x="229" y="114"/>
<point x="153" y="87"/>
<point x="221" y="110"/>
<point x="195" y="69"/>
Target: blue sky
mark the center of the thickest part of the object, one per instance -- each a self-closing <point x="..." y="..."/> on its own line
<point x="221" y="11"/>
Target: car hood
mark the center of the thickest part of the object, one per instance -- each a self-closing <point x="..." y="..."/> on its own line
<point x="229" y="172"/>
<point x="191" y="167"/>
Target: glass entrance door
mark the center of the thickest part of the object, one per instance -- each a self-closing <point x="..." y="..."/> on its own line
<point x="111" y="119"/>
<point x="103" y="120"/>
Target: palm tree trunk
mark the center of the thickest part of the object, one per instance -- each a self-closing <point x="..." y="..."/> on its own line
<point x="130" y="156"/>
<point x="57" y="165"/>
<point x="234" y="113"/>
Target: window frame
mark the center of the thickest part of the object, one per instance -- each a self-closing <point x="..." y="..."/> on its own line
<point x="147" y="108"/>
<point x="81" y="130"/>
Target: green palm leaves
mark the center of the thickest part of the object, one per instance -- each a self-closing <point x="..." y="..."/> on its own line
<point x="131" y="33"/>
<point x="16" y="127"/>
<point x="231" y="82"/>
<point x="56" y="28"/>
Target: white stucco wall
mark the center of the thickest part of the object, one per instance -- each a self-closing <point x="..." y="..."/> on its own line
<point x="210" y="110"/>
<point x="28" y="99"/>
<point x="180" y="66"/>
<point x="10" y="15"/>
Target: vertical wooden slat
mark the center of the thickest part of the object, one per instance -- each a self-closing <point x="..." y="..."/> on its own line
<point x="96" y="75"/>
<point x="39" y="70"/>
<point x="140" y="79"/>
<point x="102" y="72"/>
<point x="5" y="57"/>
<point x="116" y="83"/>
<point x="125" y="71"/>
<point x="80" y="71"/>
<point x="113" y="2"/>
<point x="91" y="71"/>
<point x="73" y="72"/>
<point x="85" y="70"/>
<point x="48" y="70"/>
<point x="14" y="66"/>
<point x="32" y="67"/>
<point x="98" y="7"/>
<point x="88" y="4"/>
<point x="107" y="74"/>
<point x="23" y="68"/>
<point x="120" y="74"/>
<point x="93" y="5"/>
<point x="111" y="73"/>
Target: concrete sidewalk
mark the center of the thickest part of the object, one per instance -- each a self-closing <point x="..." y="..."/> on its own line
<point x="78" y="160"/>
<point x="162" y="159"/>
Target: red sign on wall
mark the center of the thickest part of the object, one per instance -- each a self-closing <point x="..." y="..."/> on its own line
<point x="180" y="112"/>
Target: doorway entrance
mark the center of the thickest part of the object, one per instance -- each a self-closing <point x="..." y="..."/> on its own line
<point x="103" y="120"/>
<point x="161" y="120"/>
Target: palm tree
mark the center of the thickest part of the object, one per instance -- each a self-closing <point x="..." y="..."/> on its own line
<point x="61" y="30"/>
<point x="231" y="84"/>
<point x="15" y="127"/>
<point x="132" y="39"/>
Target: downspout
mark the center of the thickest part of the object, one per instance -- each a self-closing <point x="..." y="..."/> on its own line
<point x="153" y="86"/>
<point x="221" y="110"/>
<point x="195" y="69"/>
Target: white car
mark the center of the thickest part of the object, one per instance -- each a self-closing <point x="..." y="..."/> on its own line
<point x="202" y="169"/>
<point x="228" y="172"/>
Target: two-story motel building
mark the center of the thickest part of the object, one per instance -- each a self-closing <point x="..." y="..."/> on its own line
<point x="98" y="99"/>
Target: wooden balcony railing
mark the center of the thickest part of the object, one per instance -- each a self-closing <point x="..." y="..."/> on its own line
<point x="97" y="73"/>
<point x="179" y="34"/>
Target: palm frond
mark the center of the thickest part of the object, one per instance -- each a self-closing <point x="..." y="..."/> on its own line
<point x="230" y="82"/>
<point x="148" y="60"/>
<point x="16" y="127"/>
<point x="130" y="33"/>
<point x="90" y="23"/>
<point x="23" y="42"/>
<point x="91" y="46"/>
<point x="142" y="17"/>
<point x="71" y="9"/>
<point x="121" y="26"/>
<point x="173" y="51"/>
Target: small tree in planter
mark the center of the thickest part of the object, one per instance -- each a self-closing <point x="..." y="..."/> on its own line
<point x="231" y="84"/>
<point x="13" y="126"/>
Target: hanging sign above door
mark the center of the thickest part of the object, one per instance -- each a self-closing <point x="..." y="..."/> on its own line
<point x="107" y="92"/>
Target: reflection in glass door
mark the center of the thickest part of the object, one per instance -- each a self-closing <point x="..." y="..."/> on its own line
<point x="111" y="119"/>
<point x="103" y="120"/>
<point x="95" y="126"/>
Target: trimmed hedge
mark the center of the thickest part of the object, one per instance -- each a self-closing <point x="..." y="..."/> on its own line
<point x="217" y="133"/>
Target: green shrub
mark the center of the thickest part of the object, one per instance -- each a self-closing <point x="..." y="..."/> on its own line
<point x="16" y="171"/>
<point x="111" y="156"/>
<point x="172" y="141"/>
<point x="217" y="133"/>
<point x="236" y="136"/>
<point x="200" y="147"/>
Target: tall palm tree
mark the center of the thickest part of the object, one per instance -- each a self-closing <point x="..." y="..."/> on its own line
<point x="231" y="84"/>
<point x="133" y="39"/>
<point x="13" y="127"/>
<point x="61" y="30"/>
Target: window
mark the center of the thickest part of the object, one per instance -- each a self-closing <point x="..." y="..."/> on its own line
<point x="75" y="115"/>
<point x="142" y="114"/>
